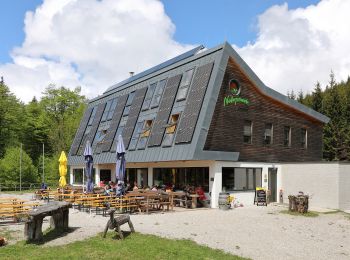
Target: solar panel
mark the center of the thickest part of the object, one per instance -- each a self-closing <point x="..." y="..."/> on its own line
<point x="81" y="131"/>
<point x="193" y="104"/>
<point x="117" y="115"/>
<point x="165" y="108"/>
<point x="95" y="123"/>
<point x="133" y="115"/>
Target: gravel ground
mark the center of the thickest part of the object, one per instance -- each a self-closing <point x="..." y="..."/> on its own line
<point x="254" y="232"/>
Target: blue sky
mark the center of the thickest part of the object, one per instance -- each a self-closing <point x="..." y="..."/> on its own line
<point x="290" y="45"/>
<point x="196" y="21"/>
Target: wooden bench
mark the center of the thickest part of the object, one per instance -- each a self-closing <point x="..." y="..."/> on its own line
<point x="59" y="212"/>
<point x="116" y="222"/>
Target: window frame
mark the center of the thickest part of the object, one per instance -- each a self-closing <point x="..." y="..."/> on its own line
<point x="289" y="144"/>
<point x="246" y="178"/>
<point x="185" y="85"/>
<point x="266" y="135"/>
<point x="251" y="132"/>
<point x="303" y="135"/>
<point x="170" y="130"/>
<point x="158" y="92"/>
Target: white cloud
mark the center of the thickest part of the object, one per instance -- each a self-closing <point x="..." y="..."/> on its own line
<point x="296" y="48"/>
<point x="90" y="43"/>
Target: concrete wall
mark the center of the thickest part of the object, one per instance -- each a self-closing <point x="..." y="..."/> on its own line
<point x="327" y="183"/>
<point x="344" y="186"/>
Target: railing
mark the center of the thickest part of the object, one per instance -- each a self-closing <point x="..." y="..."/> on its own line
<point x="24" y="186"/>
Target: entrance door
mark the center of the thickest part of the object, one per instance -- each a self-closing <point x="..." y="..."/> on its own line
<point x="273" y="184"/>
<point x="105" y="175"/>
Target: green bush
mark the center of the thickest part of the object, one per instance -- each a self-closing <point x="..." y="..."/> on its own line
<point x="10" y="168"/>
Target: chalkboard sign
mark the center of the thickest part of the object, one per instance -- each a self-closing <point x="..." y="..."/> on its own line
<point x="260" y="197"/>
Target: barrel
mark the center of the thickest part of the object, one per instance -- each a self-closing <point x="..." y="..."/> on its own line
<point x="224" y="203"/>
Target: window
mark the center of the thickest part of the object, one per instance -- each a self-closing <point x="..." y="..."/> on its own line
<point x="303" y="142"/>
<point x="170" y="130"/>
<point x="101" y="134"/>
<point x="119" y="132"/>
<point x="181" y="177"/>
<point x="287" y="136"/>
<point x="184" y="85"/>
<point x="92" y="116"/>
<point x="268" y="134"/>
<point x="158" y="93"/>
<point x="128" y="103"/>
<point x="247" y="132"/>
<point x="78" y="176"/>
<point x="135" y="136"/>
<point x="109" y="110"/>
<point x="149" y="96"/>
<point x="145" y="134"/>
<point x="241" y="178"/>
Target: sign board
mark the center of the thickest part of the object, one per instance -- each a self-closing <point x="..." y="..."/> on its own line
<point x="260" y="197"/>
<point x="233" y="94"/>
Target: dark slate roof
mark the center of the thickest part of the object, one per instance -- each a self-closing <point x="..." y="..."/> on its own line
<point x="193" y="150"/>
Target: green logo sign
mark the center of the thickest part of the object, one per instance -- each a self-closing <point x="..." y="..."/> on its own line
<point x="233" y="96"/>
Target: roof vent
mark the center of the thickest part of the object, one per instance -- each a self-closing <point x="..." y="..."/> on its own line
<point x="131" y="73"/>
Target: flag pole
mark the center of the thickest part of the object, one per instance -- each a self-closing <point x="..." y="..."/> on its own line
<point x="43" y="177"/>
<point x="20" y="169"/>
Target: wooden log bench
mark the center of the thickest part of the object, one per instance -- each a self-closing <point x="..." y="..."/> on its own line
<point x="116" y="222"/>
<point x="59" y="212"/>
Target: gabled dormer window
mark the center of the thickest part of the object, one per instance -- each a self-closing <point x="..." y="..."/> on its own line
<point x="170" y="130"/>
<point x="184" y="85"/>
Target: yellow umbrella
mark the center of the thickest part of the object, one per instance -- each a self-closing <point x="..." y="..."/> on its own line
<point x="63" y="169"/>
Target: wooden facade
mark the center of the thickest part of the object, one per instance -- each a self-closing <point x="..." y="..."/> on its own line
<point x="226" y="128"/>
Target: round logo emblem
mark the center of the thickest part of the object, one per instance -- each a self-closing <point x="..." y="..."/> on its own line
<point x="234" y="87"/>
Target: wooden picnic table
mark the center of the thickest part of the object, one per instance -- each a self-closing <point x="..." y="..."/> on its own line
<point x="59" y="212"/>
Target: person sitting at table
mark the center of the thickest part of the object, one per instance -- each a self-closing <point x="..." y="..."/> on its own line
<point x="107" y="189"/>
<point x="120" y="189"/>
<point x="154" y="188"/>
<point x="102" y="184"/>
<point x="113" y="186"/>
<point x="202" y="199"/>
<point x="135" y="186"/>
<point x="147" y="188"/>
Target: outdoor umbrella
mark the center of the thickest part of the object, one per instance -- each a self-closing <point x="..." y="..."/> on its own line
<point x="63" y="169"/>
<point x="120" y="165"/>
<point x="88" y="166"/>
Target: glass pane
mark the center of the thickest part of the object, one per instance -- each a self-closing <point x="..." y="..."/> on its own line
<point x="158" y="94"/>
<point x="186" y="78"/>
<point x="132" y="145"/>
<point x="251" y="179"/>
<point x="168" y="139"/>
<point x="130" y="98"/>
<point x="240" y="179"/>
<point x="247" y="130"/>
<point x="112" y="108"/>
<point x="258" y="178"/>
<point x="92" y="116"/>
<point x="181" y="95"/>
<point x="126" y="111"/>
<point x="142" y="143"/>
<point x="146" y="104"/>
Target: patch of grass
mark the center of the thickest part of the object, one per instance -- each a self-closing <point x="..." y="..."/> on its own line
<point x="310" y="214"/>
<point x="134" y="246"/>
